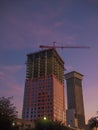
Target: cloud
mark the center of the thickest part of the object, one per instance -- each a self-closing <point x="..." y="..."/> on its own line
<point x="24" y="26"/>
<point x="9" y="80"/>
<point x="2" y="75"/>
<point x="68" y="68"/>
<point x="28" y="24"/>
<point x="11" y="69"/>
<point x="10" y="85"/>
<point x="90" y="96"/>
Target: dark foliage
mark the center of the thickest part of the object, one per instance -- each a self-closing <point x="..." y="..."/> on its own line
<point x="93" y="122"/>
<point x="49" y="125"/>
<point x="8" y="113"/>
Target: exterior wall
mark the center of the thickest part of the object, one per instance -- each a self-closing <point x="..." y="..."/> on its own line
<point x="24" y="124"/>
<point x="38" y="98"/>
<point x="58" y="101"/>
<point x="70" y="117"/>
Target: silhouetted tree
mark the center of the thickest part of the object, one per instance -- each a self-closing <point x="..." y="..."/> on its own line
<point x="8" y="113"/>
<point x="93" y="122"/>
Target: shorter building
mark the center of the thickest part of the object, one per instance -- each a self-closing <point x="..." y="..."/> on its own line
<point x="75" y="111"/>
<point x="24" y="124"/>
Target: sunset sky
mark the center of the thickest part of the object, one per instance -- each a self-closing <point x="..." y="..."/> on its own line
<point x="26" y="24"/>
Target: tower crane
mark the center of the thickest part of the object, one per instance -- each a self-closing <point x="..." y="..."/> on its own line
<point x="54" y="47"/>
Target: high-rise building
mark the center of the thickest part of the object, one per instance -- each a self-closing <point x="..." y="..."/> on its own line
<point x="75" y="113"/>
<point x="44" y="86"/>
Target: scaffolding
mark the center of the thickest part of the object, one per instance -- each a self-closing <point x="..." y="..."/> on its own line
<point x="44" y="63"/>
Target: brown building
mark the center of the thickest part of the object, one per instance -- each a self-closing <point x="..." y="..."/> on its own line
<point x="44" y="86"/>
<point x="75" y="112"/>
<point x="24" y="124"/>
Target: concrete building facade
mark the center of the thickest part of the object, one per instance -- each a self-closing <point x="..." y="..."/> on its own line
<point x="44" y="86"/>
<point x="75" y="111"/>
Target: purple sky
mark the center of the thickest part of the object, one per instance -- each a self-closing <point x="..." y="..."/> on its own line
<point x="25" y="24"/>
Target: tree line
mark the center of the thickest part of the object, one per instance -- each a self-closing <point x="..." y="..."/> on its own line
<point x="8" y="117"/>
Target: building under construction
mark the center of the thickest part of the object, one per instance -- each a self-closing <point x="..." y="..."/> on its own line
<point x="44" y="86"/>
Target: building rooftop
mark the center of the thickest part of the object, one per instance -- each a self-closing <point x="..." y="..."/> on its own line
<point x="73" y="74"/>
<point x="52" y="49"/>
